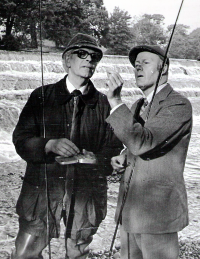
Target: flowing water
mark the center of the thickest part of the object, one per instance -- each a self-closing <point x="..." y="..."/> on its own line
<point x="20" y="73"/>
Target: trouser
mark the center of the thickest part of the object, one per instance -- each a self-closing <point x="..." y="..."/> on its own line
<point x="28" y="246"/>
<point x="149" y="246"/>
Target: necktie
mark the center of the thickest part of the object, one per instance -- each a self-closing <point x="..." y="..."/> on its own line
<point x="74" y="134"/>
<point x="143" y="107"/>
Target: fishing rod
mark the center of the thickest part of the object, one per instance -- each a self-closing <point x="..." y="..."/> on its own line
<point x="164" y="60"/>
<point x="149" y="108"/>
<point x="44" y="132"/>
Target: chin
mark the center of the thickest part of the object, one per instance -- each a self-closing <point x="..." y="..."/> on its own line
<point x="87" y="75"/>
<point x="142" y="87"/>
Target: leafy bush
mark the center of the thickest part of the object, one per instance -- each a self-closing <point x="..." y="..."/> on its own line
<point x="10" y="43"/>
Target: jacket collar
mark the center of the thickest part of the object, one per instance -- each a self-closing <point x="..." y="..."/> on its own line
<point x="159" y="97"/>
<point x="63" y="95"/>
<point x="162" y="94"/>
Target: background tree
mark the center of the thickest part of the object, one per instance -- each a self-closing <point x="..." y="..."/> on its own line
<point x="193" y="51"/>
<point x="149" y="30"/>
<point x="179" y="44"/>
<point x="12" y="14"/>
<point x="118" y="38"/>
<point x="96" y="16"/>
<point x="27" y="26"/>
<point x="62" y="19"/>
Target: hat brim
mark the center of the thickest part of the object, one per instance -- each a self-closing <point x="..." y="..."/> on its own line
<point x="136" y="50"/>
<point x="78" y="46"/>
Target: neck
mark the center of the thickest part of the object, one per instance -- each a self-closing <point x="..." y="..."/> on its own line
<point x="77" y="82"/>
<point x="151" y="89"/>
<point x="148" y="91"/>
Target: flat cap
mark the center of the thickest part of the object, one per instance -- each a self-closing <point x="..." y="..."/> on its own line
<point x="149" y="48"/>
<point x="81" y="40"/>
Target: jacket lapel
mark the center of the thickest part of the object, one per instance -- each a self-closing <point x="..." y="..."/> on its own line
<point x="158" y="99"/>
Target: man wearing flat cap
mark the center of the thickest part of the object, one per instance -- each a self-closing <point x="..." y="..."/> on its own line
<point x="156" y="138"/>
<point x="72" y="113"/>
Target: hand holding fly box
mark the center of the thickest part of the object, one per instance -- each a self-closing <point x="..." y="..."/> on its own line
<point x="81" y="158"/>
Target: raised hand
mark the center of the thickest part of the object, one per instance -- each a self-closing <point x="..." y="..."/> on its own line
<point x="115" y="83"/>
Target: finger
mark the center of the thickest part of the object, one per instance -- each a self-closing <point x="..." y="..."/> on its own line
<point x="68" y="151"/>
<point x="115" y="78"/>
<point x="65" y="150"/>
<point x="69" y="145"/>
<point x="117" y="166"/>
<point x="62" y="151"/>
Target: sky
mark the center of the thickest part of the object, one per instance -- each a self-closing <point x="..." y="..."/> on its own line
<point x="189" y="15"/>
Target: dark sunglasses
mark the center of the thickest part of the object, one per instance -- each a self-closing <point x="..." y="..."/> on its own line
<point x="96" y="56"/>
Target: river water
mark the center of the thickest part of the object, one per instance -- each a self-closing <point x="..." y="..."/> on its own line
<point x="20" y="73"/>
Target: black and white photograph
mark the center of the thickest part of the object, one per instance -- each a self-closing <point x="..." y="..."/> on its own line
<point x="100" y="129"/>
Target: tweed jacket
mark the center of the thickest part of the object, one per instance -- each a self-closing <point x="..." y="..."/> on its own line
<point x="156" y="152"/>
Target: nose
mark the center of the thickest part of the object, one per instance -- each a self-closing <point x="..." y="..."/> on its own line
<point x="138" y="67"/>
<point x="89" y="58"/>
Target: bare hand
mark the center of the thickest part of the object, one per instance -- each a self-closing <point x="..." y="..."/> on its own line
<point x="115" y="83"/>
<point x="62" y="147"/>
<point x="119" y="163"/>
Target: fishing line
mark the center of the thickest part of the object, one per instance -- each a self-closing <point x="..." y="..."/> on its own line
<point x="44" y="131"/>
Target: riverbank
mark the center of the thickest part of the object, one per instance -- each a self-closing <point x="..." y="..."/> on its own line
<point x="10" y="185"/>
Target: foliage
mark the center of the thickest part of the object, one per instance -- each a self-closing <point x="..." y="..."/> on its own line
<point x="96" y="16"/>
<point x="185" y="45"/>
<point x="63" y="19"/>
<point x="149" y="30"/>
<point x="118" y="37"/>
<point x="10" y="42"/>
<point x="16" y="15"/>
<point x="60" y="20"/>
<point x="11" y="11"/>
<point x="193" y="51"/>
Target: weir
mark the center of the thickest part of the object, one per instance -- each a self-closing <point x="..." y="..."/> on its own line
<point x="20" y="74"/>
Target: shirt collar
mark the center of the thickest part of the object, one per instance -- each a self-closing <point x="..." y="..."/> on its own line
<point x="63" y="95"/>
<point x="159" y="88"/>
<point x="71" y="87"/>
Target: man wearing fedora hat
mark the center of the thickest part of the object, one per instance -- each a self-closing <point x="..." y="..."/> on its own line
<point x="156" y="140"/>
<point x="74" y="114"/>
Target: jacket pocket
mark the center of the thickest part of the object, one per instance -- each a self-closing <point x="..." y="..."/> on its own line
<point x="161" y="202"/>
<point x="27" y="201"/>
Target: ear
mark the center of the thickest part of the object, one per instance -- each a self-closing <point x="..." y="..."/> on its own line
<point x="66" y="62"/>
<point x="165" y="69"/>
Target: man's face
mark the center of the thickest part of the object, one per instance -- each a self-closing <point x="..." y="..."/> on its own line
<point x="82" y="67"/>
<point x="147" y="66"/>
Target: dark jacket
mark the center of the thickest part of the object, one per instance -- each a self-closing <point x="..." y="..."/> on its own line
<point x="156" y="201"/>
<point x="30" y="141"/>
